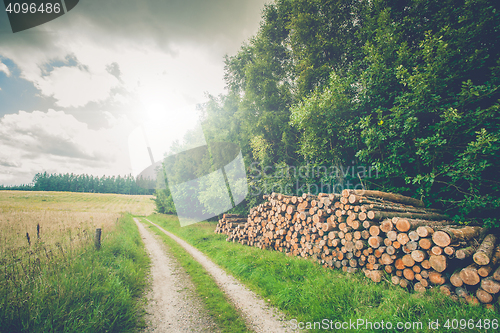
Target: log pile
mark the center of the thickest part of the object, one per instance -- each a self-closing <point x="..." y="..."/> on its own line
<point x="229" y="222"/>
<point x="379" y="233"/>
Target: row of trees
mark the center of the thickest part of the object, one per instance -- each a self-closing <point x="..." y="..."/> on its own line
<point x="407" y="88"/>
<point x="83" y="183"/>
<point x="87" y="183"/>
<point x="24" y="187"/>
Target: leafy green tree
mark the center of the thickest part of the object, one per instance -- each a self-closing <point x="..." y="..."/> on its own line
<point x="410" y="88"/>
<point x="423" y="98"/>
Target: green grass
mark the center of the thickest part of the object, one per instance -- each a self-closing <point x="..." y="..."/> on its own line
<point x="308" y="292"/>
<point x="224" y="314"/>
<point x="81" y="290"/>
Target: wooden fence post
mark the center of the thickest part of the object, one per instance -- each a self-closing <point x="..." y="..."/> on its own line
<point x="97" y="239"/>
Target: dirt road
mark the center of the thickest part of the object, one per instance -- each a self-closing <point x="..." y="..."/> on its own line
<point x="172" y="304"/>
<point x="259" y="316"/>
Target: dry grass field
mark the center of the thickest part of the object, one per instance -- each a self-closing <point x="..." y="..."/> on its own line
<point x="46" y="249"/>
<point x="62" y="217"/>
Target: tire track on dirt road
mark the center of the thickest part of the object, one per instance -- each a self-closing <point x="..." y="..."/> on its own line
<point x="172" y="304"/>
<point x="260" y="317"/>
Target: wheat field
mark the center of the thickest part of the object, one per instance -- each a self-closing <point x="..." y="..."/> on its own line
<point x="47" y="248"/>
<point x="62" y="217"/>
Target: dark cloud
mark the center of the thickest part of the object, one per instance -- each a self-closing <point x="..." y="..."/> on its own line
<point x="201" y="21"/>
<point x="223" y="24"/>
<point x="53" y="133"/>
<point x="53" y="145"/>
<point x="114" y="69"/>
<point x="10" y="164"/>
<point x="45" y="143"/>
<point x="68" y="61"/>
<point x="217" y="26"/>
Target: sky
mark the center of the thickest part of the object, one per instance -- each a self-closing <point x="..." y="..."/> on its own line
<point x="89" y="91"/>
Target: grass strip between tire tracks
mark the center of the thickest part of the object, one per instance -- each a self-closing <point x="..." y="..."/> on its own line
<point x="309" y="293"/>
<point x="222" y="311"/>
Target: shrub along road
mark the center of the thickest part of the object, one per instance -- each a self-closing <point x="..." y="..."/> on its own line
<point x="259" y="316"/>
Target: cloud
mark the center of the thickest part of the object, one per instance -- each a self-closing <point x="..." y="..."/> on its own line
<point x="225" y="23"/>
<point x="106" y="59"/>
<point x="219" y="26"/>
<point x="172" y="36"/>
<point x="4" y="68"/>
<point x="75" y="86"/>
<point x="58" y="142"/>
<point x="10" y="164"/>
<point x="114" y="69"/>
<point x="53" y="133"/>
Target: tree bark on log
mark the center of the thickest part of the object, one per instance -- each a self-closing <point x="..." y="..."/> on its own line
<point x="395" y="207"/>
<point x="379" y="215"/>
<point x="406" y="224"/>
<point x="456" y="280"/>
<point x="496" y="274"/>
<point x="466" y="252"/>
<point x="485" y="251"/>
<point x="447" y="236"/>
<point x="387" y="196"/>
<point x="226" y="216"/>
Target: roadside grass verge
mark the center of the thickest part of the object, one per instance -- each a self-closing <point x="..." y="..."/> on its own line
<point x="307" y="292"/>
<point x="222" y="311"/>
<point x="57" y="289"/>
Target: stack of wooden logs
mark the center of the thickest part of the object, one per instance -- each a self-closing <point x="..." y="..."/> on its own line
<point x="379" y="233"/>
<point x="229" y="222"/>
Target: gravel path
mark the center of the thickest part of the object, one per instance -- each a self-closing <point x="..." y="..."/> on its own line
<point x="172" y="304"/>
<point x="259" y="316"/>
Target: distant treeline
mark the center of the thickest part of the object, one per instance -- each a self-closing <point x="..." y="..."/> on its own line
<point x="82" y="183"/>
<point x="24" y="187"/>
